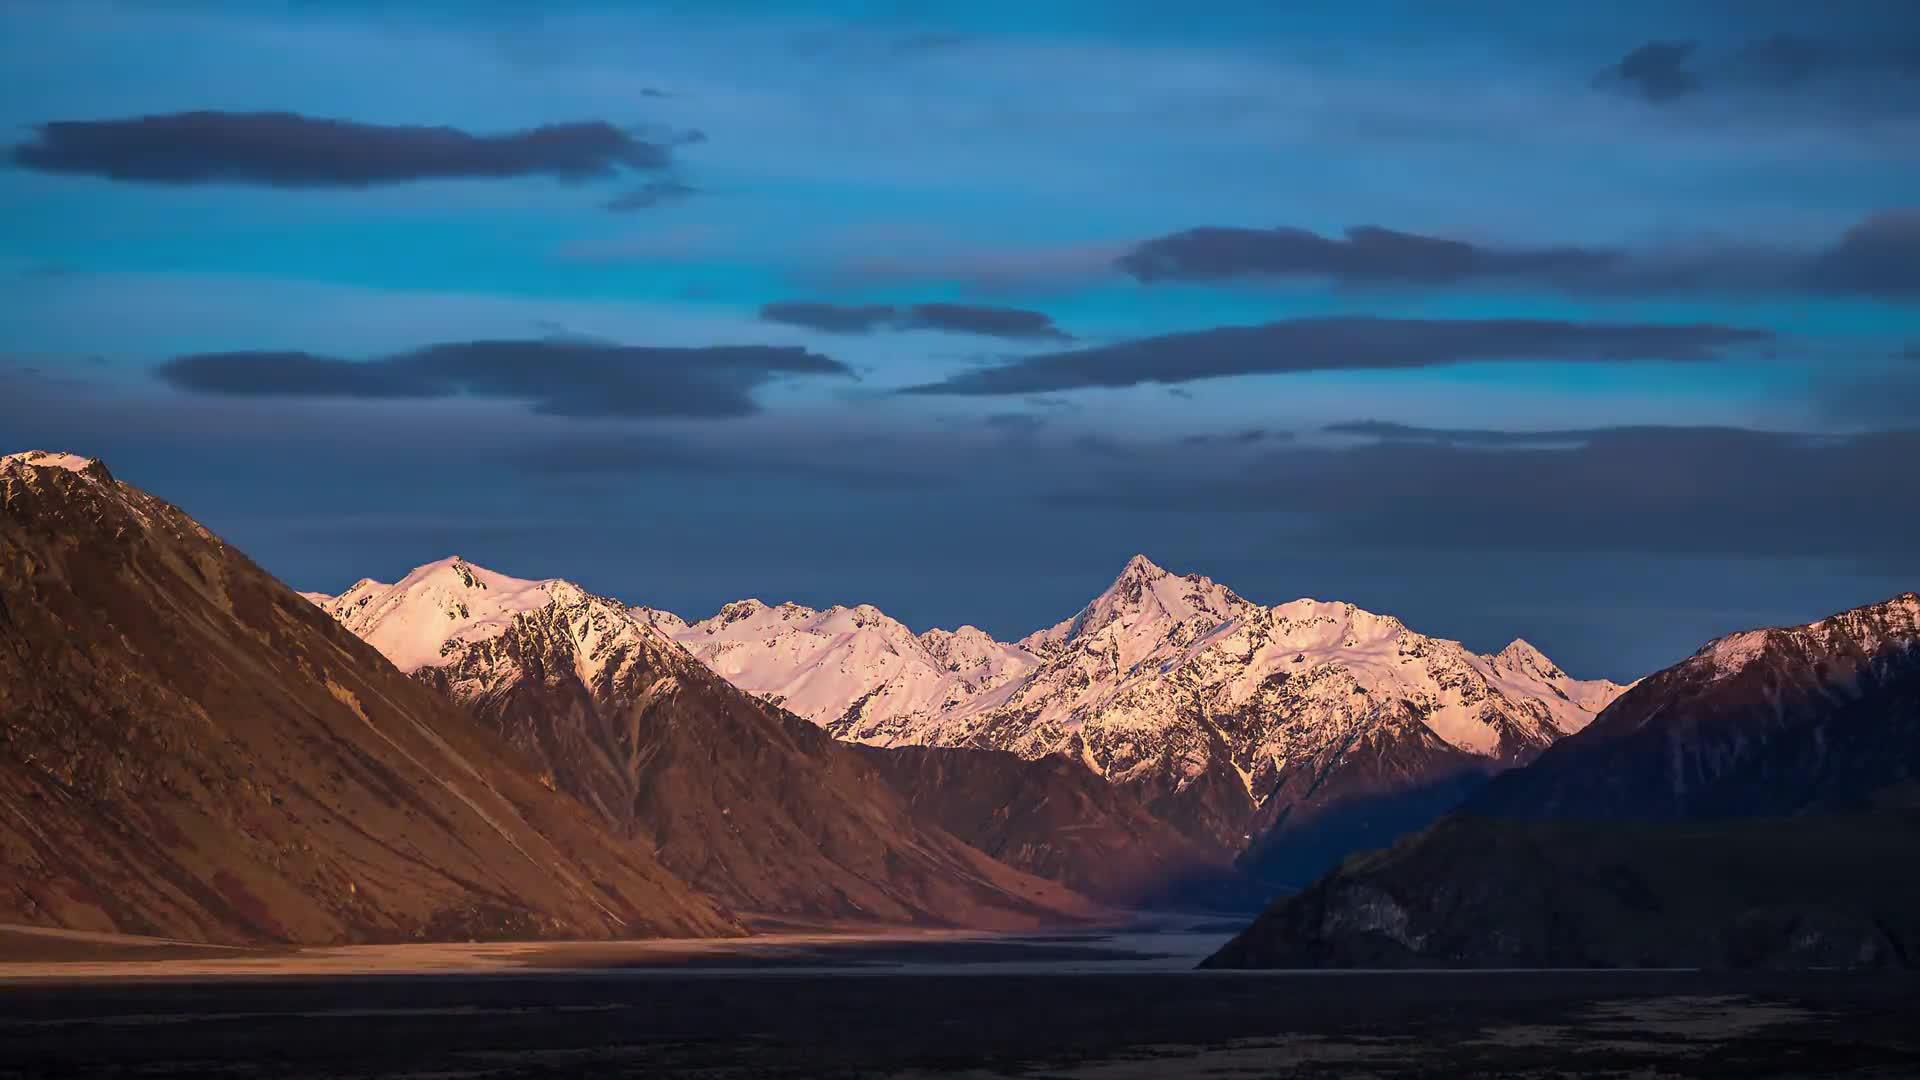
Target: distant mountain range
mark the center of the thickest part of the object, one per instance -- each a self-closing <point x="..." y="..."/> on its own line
<point x="1757" y="804"/>
<point x="1293" y="733"/>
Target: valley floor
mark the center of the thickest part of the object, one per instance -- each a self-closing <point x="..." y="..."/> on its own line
<point x="1097" y="1005"/>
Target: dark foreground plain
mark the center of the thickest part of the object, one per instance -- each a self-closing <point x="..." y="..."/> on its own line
<point x="1070" y="1005"/>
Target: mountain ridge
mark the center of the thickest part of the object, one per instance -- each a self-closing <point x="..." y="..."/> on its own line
<point x="1230" y="719"/>
<point x="190" y="749"/>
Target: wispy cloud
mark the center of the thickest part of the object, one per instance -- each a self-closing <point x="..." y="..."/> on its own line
<point x="281" y="149"/>
<point x="1343" y="344"/>
<point x="1017" y="324"/>
<point x="555" y="377"/>
<point x="1878" y="256"/>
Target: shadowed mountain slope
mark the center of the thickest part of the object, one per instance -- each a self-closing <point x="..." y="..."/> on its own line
<point x="1755" y="805"/>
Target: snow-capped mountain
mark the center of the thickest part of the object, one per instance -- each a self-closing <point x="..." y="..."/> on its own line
<point x="1228" y="717"/>
<point x="854" y="671"/>
<point x="746" y="800"/>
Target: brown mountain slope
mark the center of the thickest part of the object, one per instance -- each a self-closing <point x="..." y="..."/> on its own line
<point x="740" y="797"/>
<point x="190" y="749"/>
<point x="1056" y="818"/>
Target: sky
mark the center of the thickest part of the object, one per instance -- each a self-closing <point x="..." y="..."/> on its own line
<point x="1597" y="325"/>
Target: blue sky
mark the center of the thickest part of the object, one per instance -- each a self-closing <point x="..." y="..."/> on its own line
<point x="942" y="307"/>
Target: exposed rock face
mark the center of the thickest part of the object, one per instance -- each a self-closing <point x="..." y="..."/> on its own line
<point x="1302" y="730"/>
<point x="741" y="797"/>
<point x="1754" y="805"/>
<point x="190" y="749"/>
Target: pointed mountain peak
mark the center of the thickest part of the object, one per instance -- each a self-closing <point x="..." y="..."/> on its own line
<point x="1520" y="650"/>
<point x="1143" y="567"/>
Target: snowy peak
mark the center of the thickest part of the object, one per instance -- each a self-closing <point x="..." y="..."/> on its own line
<point x="56" y="459"/>
<point x="1143" y="606"/>
<point x="854" y="670"/>
<point x="1890" y="624"/>
<point x="421" y="620"/>
<point x="1520" y="657"/>
<point x="1333" y="625"/>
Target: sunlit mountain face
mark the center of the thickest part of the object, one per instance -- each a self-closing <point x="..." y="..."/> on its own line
<point x="1594" y="326"/>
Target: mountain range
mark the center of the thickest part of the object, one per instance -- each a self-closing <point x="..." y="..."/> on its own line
<point x="1288" y="734"/>
<point x="1757" y="804"/>
<point x="743" y="798"/>
<point x="190" y="749"/>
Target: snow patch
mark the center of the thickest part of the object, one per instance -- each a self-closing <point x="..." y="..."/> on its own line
<point x="50" y="459"/>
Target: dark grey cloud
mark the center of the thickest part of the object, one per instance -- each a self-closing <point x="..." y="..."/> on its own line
<point x="1877" y="257"/>
<point x="1388" y="432"/>
<point x="280" y="149"/>
<point x="830" y="318"/>
<point x="1001" y="322"/>
<point x="1249" y="437"/>
<point x="1720" y="493"/>
<point x="554" y="377"/>
<point x="651" y="194"/>
<point x="1850" y="78"/>
<point x="1014" y="324"/>
<point x="1656" y="71"/>
<point x="1342" y="344"/>
<point x="1367" y="253"/>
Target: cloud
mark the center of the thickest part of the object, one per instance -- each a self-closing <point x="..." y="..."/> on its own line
<point x="1850" y="77"/>
<point x="1368" y="253"/>
<point x="1708" y="491"/>
<point x="1249" y="437"/>
<point x="1388" y="432"/>
<point x="281" y="149"/>
<point x="1342" y="344"/>
<point x="1878" y="257"/>
<point x="1011" y="323"/>
<point x="554" y="377"/>
<point x="651" y="194"/>
<point x="830" y="318"/>
<point x="1656" y="71"/>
